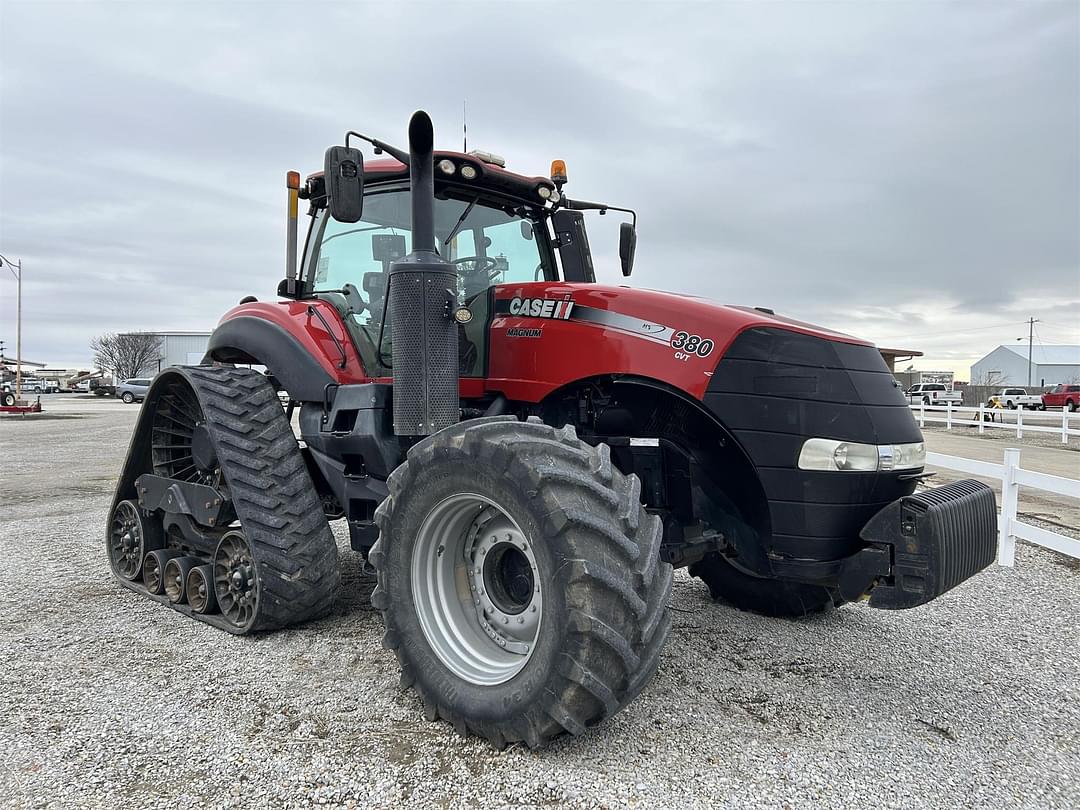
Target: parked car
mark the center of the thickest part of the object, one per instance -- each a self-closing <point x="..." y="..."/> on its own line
<point x="1065" y="396"/>
<point x="1013" y="398"/>
<point x="133" y="390"/>
<point x="934" y="394"/>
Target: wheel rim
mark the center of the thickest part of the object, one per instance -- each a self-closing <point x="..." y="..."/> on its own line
<point x="476" y="589"/>
<point x="236" y="581"/>
<point x="126" y="544"/>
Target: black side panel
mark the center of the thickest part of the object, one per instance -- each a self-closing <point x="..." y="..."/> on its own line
<point x="573" y="246"/>
<point x="248" y="339"/>
<point x="774" y="389"/>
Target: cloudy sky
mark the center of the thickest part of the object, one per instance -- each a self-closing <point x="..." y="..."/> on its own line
<point x="906" y="171"/>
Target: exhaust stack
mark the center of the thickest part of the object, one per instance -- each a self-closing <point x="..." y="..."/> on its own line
<point x="422" y="296"/>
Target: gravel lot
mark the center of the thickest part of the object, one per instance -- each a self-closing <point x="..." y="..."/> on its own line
<point x="110" y="700"/>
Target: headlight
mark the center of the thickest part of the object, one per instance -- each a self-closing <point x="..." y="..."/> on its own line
<point x="544" y="192"/>
<point x="554" y="197"/>
<point x="833" y="455"/>
<point x="468" y="172"/>
<point x="446" y="166"/>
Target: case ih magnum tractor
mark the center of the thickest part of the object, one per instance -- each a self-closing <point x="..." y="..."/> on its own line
<point x="521" y="454"/>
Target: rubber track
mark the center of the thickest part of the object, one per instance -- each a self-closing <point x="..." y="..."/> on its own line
<point x="279" y="511"/>
<point x="617" y="590"/>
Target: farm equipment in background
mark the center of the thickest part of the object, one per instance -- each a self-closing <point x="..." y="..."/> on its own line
<point x="522" y="455"/>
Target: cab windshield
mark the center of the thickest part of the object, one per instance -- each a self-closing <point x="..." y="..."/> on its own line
<point x="487" y="244"/>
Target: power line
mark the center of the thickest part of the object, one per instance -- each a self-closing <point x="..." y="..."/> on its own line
<point x="965" y="331"/>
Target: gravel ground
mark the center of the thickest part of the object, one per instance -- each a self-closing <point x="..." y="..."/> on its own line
<point x="110" y="700"/>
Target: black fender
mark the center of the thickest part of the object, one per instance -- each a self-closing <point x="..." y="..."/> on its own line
<point x="708" y="440"/>
<point x="248" y="339"/>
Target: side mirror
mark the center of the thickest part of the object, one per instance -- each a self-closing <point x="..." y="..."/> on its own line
<point x="344" y="176"/>
<point x="627" y="246"/>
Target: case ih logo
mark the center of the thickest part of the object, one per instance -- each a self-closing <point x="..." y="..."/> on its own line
<point x="559" y="308"/>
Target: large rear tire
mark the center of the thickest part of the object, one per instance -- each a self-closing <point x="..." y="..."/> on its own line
<point x="769" y="597"/>
<point x="519" y="580"/>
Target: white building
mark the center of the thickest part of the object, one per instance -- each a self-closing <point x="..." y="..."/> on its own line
<point x="1008" y="365"/>
<point x="179" y="349"/>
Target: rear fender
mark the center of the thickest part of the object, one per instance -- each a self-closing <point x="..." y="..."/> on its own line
<point x="251" y="339"/>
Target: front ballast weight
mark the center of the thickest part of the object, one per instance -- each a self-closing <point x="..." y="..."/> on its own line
<point x="215" y="514"/>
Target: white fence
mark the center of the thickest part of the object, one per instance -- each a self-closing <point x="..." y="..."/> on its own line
<point x="1012" y="477"/>
<point x="997" y="419"/>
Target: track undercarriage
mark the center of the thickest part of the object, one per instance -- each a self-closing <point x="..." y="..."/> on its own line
<point x="215" y="514"/>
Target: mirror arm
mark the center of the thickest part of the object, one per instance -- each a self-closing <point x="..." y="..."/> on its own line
<point x="585" y="205"/>
<point x="380" y="146"/>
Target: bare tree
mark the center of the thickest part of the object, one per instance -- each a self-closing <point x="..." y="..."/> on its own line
<point x="985" y="385"/>
<point x="132" y="354"/>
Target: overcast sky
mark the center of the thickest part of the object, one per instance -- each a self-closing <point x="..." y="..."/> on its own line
<point x="908" y="172"/>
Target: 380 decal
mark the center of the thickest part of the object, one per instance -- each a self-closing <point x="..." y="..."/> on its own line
<point x="691" y="344"/>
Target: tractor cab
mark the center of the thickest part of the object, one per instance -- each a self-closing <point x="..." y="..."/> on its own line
<point x="494" y="226"/>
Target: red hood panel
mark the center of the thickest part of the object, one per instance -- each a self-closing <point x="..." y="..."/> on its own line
<point x="545" y="335"/>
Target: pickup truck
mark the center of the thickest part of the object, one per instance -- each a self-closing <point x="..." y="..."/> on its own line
<point x="1013" y="398"/>
<point x="933" y="394"/>
<point x="1062" y="396"/>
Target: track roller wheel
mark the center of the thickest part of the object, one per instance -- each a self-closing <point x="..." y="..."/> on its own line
<point x="154" y="569"/>
<point x="519" y="580"/>
<point x="200" y="589"/>
<point x="131" y="536"/>
<point x="176" y="573"/>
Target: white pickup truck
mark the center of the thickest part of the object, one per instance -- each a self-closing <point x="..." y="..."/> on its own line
<point x="934" y="394"/>
<point x="1013" y="398"/>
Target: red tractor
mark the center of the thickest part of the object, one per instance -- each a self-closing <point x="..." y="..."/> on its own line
<point x="522" y="455"/>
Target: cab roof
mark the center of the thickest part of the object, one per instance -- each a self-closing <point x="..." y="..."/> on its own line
<point x="488" y="176"/>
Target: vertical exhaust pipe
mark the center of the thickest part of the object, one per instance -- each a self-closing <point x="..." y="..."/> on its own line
<point x="422" y="297"/>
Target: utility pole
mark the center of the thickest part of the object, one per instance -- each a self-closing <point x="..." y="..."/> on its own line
<point x="1031" y="337"/>
<point x="16" y="270"/>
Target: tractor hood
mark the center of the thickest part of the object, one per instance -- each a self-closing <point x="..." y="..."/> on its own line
<point x="554" y="332"/>
<point x="652" y="314"/>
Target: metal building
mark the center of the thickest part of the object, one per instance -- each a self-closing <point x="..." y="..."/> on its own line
<point x="1008" y="365"/>
<point x="179" y="349"/>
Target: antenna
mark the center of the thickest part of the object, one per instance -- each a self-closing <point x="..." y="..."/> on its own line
<point x="464" y="129"/>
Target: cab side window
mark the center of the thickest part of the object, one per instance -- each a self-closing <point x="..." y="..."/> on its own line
<point x="514" y="247"/>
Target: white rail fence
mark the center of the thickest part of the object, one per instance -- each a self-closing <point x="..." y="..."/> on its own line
<point x="998" y="419"/>
<point x="1012" y="476"/>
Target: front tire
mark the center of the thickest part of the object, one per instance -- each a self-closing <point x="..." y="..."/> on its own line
<point x="573" y="535"/>
<point x="9" y="399"/>
<point x="1071" y="406"/>
<point x="128" y="398"/>
<point x="769" y="597"/>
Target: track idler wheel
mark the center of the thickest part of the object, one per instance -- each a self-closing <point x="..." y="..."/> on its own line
<point x="131" y="535"/>
<point x="236" y="580"/>
<point x="200" y="589"/>
<point x="176" y="574"/>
